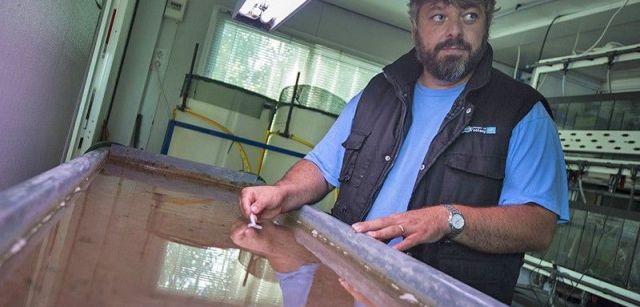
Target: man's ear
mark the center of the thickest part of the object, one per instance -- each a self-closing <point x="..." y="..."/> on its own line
<point x="414" y="28"/>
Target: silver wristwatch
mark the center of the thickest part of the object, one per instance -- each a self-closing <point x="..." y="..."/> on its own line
<point x="456" y="221"/>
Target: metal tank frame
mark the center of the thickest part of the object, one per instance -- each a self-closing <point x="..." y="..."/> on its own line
<point x="387" y="277"/>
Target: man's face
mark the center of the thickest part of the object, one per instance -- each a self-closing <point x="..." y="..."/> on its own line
<point x="450" y="41"/>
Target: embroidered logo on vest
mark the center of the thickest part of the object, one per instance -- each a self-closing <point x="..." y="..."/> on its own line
<point x="482" y="130"/>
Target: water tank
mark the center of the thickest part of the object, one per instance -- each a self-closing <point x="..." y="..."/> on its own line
<point x="312" y="113"/>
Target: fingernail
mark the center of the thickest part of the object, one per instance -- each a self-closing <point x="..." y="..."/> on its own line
<point x="356" y="227"/>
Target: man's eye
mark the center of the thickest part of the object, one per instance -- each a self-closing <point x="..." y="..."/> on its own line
<point x="437" y="18"/>
<point x="470" y="17"/>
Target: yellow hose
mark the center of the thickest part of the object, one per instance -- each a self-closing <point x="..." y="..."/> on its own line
<point x="292" y="137"/>
<point x="243" y="154"/>
<point x="267" y="133"/>
<point x="301" y="141"/>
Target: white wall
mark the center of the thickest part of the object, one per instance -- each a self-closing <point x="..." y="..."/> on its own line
<point x="44" y="51"/>
<point x="138" y="57"/>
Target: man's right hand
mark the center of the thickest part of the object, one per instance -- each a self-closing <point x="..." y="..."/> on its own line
<point x="302" y="184"/>
<point x="263" y="201"/>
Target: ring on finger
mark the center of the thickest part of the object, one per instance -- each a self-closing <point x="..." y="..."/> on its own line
<point x="402" y="230"/>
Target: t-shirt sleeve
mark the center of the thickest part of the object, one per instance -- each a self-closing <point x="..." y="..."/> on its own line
<point x="535" y="171"/>
<point x="328" y="153"/>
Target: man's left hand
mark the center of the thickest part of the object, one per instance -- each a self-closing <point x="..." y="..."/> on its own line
<point x="425" y="225"/>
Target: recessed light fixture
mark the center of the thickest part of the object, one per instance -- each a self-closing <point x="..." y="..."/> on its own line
<point x="266" y="14"/>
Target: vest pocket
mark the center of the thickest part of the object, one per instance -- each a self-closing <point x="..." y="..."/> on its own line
<point x="352" y="146"/>
<point x="477" y="178"/>
<point x="482" y="165"/>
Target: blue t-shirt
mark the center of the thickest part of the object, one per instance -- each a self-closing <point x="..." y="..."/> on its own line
<point x="531" y="173"/>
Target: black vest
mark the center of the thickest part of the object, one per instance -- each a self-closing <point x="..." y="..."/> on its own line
<point x="465" y="163"/>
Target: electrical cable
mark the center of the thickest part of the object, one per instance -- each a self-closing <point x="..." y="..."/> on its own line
<point x="584" y="199"/>
<point x="243" y="153"/>
<point x="606" y="28"/>
<point x="609" y="78"/>
<point x="575" y="44"/>
<point x="544" y="78"/>
<point x="591" y="261"/>
<point x="515" y="68"/>
<point x="531" y="286"/>
<point x="155" y="66"/>
<point x="99" y="5"/>
<point x="544" y="41"/>
<point x="564" y="84"/>
<point x="632" y="192"/>
<point x="166" y="101"/>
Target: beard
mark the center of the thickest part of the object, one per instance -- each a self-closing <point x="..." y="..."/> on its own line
<point x="451" y="68"/>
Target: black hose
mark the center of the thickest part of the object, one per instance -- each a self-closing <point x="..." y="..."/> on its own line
<point x="544" y="41"/>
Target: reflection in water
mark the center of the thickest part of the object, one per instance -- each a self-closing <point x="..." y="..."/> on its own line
<point x="141" y="243"/>
<point x="303" y="281"/>
<point x="159" y="240"/>
<point x="214" y="273"/>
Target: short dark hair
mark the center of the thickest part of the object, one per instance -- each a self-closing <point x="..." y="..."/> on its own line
<point x="489" y="7"/>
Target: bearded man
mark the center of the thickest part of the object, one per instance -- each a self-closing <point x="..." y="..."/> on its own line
<point x="448" y="159"/>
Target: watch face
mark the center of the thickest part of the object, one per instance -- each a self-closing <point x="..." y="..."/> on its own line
<point x="457" y="221"/>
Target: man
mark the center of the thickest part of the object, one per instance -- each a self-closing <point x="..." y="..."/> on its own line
<point x="458" y="162"/>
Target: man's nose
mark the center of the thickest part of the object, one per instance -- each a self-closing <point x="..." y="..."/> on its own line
<point x="454" y="28"/>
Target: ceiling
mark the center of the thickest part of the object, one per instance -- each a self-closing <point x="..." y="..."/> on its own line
<point x="523" y="23"/>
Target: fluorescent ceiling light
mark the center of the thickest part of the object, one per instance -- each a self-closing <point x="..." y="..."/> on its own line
<point x="266" y="14"/>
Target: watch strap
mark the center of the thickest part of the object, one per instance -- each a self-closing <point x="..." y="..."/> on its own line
<point x="453" y="231"/>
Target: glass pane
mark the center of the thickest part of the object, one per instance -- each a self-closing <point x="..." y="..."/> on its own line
<point x="624" y="255"/>
<point x="634" y="272"/>
<point x="626" y="116"/>
<point x="582" y="116"/>
<point x="567" y="258"/>
<point x="601" y="262"/>
<point x="558" y="243"/>
<point x="593" y="229"/>
<point x="560" y="114"/>
<point x="604" y="115"/>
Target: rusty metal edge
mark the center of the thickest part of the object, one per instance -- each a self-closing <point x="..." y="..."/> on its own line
<point x="27" y="203"/>
<point x="428" y="285"/>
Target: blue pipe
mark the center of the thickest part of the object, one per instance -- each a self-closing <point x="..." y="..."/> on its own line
<point x="174" y="123"/>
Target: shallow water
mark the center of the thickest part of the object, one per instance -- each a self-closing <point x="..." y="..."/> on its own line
<point x="134" y="238"/>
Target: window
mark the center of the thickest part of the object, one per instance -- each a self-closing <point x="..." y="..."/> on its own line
<point x="266" y="63"/>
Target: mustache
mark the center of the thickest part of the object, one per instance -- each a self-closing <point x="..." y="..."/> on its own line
<point x="457" y="42"/>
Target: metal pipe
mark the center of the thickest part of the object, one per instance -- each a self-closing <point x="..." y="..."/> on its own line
<point x="592" y="56"/>
<point x="602" y="164"/>
<point x="380" y="270"/>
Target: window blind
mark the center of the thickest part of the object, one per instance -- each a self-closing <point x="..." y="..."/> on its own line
<point x="266" y="63"/>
